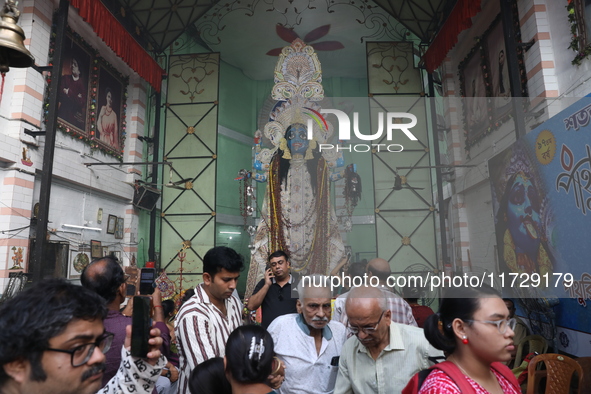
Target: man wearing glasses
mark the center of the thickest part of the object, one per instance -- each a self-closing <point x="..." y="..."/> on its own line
<point x="274" y="291"/>
<point x="309" y="343"/>
<point x="52" y="341"/>
<point x="383" y="355"/>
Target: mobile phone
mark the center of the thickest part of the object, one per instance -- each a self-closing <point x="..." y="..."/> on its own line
<point x="130" y="290"/>
<point x="147" y="277"/>
<point x="140" y="326"/>
<point x="269" y="268"/>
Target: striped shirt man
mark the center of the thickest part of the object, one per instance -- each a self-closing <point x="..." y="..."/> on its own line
<point x="202" y="331"/>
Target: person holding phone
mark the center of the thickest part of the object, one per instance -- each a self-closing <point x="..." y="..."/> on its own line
<point x="274" y="291"/>
<point x="52" y="340"/>
<point x="105" y="277"/>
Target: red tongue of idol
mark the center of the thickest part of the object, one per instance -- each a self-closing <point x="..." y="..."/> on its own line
<point x="531" y="228"/>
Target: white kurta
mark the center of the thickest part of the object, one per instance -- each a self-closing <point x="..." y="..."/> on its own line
<point x="307" y="371"/>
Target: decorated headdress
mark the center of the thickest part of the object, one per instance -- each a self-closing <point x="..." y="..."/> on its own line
<point x="298" y="90"/>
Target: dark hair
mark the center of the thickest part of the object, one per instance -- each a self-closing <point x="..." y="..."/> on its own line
<point x="356" y="270"/>
<point x="412" y="294"/>
<point x="34" y="316"/>
<point x="278" y="253"/>
<point x="246" y="359"/>
<point x="222" y="257"/>
<point x="209" y="378"/>
<point x="104" y="276"/>
<point x="511" y="301"/>
<point x="457" y="303"/>
<point x="167" y="308"/>
<point x="188" y="294"/>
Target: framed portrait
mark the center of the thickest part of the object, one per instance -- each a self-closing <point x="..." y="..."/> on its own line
<point x="79" y="259"/>
<point x="96" y="250"/>
<point x="111" y="223"/>
<point x="110" y="101"/>
<point x="105" y="250"/>
<point x="74" y="88"/>
<point x="119" y="228"/>
<point x="500" y="88"/>
<point x="475" y="103"/>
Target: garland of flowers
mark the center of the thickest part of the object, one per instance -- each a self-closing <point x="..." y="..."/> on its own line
<point x="576" y="40"/>
<point x="96" y="61"/>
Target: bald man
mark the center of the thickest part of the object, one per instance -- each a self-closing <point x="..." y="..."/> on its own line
<point x="309" y="343"/>
<point x="382" y="356"/>
<point x="400" y="310"/>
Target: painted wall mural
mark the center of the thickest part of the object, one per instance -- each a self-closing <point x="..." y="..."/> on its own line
<point x="541" y="190"/>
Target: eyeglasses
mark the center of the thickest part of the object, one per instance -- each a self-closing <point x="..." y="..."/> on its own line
<point x="366" y="330"/>
<point x="81" y="354"/>
<point x="501" y="324"/>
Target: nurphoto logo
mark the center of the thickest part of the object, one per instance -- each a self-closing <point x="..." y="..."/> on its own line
<point x="393" y="123"/>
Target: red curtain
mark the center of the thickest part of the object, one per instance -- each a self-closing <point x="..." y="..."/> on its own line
<point x="119" y="40"/>
<point x="459" y="20"/>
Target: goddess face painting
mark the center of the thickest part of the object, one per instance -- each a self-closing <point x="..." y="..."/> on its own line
<point x="297" y="138"/>
<point x="523" y="215"/>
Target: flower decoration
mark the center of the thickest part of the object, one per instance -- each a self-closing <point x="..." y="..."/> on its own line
<point x="289" y="35"/>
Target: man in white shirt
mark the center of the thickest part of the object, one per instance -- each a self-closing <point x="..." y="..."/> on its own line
<point x="309" y="343"/>
<point x="383" y="355"/>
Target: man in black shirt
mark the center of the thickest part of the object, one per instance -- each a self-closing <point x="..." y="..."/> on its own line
<point x="274" y="291"/>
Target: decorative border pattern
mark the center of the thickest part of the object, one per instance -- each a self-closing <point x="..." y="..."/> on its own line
<point x="88" y="136"/>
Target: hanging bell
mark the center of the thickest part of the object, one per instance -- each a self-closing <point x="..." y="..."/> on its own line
<point x="12" y="50"/>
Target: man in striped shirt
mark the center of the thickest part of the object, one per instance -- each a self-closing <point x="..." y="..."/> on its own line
<point x="205" y="321"/>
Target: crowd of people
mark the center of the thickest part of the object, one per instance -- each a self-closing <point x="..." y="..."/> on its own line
<point x="57" y="337"/>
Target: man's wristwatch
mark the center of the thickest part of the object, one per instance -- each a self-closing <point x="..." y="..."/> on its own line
<point x="168" y="374"/>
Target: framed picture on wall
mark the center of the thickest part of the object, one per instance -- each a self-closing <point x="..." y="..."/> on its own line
<point x="500" y="88"/>
<point x="111" y="223"/>
<point x="105" y="250"/>
<point x="96" y="250"/>
<point x="74" y="89"/>
<point x="473" y="85"/>
<point x="119" y="228"/>
<point x="79" y="259"/>
<point x="110" y="101"/>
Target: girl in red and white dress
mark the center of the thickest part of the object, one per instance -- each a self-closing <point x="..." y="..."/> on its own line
<point x="474" y="329"/>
